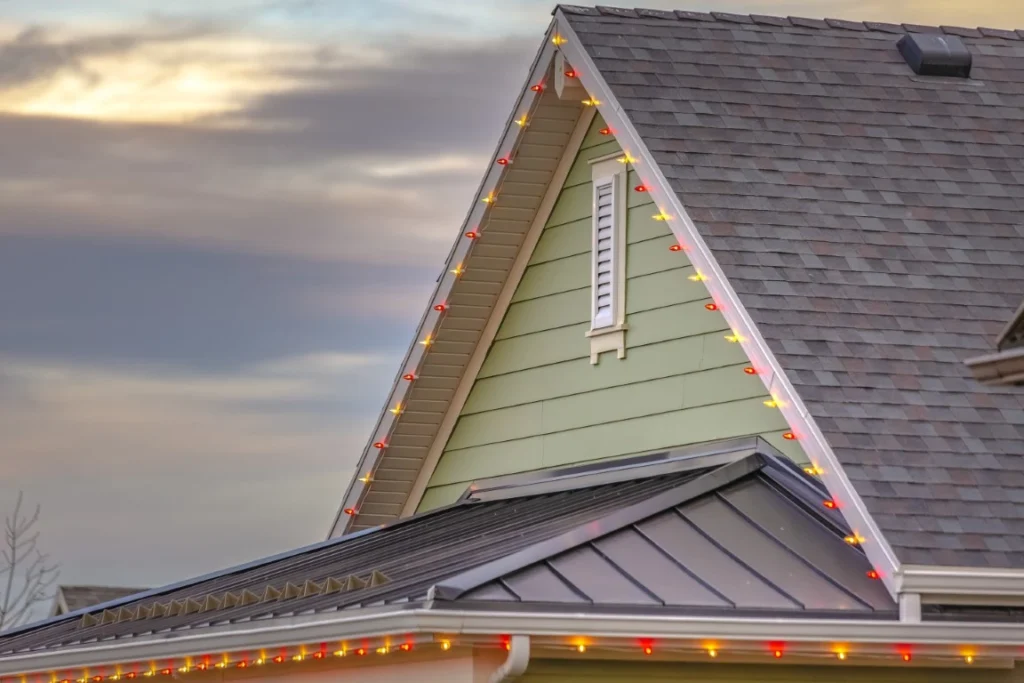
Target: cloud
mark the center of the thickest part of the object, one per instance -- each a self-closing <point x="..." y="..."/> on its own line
<point x="209" y="468"/>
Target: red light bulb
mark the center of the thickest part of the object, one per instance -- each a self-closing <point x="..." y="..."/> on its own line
<point x="830" y="504"/>
<point x="778" y="654"/>
<point x="348" y="511"/>
<point x="405" y="647"/>
<point x="441" y="308"/>
<point x="605" y="131"/>
<point x="409" y="377"/>
<point x="379" y="444"/>
<point x="640" y="188"/>
<point x="318" y="655"/>
<point x="278" y="659"/>
<point x="571" y="73"/>
<point x="711" y="307"/>
<point x="750" y="371"/>
<point x="165" y="672"/>
<point x="539" y="87"/>
<point x="361" y="651"/>
<point x="502" y="161"/>
<point x="472" y="234"/>
<point x="676" y="247"/>
<point x="906" y="657"/>
<point x="130" y="674"/>
<point x="242" y="664"/>
<point x="872" y="574"/>
<point x="648" y="650"/>
<point x="789" y="436"/>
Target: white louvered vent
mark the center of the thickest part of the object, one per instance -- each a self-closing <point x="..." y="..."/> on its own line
<point x="604" y="255"/>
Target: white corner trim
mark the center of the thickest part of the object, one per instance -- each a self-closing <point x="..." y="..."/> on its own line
<point x="490" y="330"/>
<point x="960" y="581"/>
<point x="877" y="548"/>
<point x="361" y="480"/>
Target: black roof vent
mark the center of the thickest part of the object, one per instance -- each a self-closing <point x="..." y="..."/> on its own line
<point x="934" y="54"/>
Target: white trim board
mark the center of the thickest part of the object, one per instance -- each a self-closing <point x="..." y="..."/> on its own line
<point x="498" y="312"/>
<point x="997" y="641"/>
<point x="878" y="550"/>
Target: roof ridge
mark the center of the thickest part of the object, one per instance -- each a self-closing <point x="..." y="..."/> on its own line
<point x="799" y="22"/>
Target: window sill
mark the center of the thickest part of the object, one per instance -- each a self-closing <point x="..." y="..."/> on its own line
<point x="612" y="338"/>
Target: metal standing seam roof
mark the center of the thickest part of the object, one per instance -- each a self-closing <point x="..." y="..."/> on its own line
<point x="748" y="536"/>
<point x="872" y="223"/>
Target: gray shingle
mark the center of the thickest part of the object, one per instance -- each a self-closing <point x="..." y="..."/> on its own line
<point x="871" y="222"/>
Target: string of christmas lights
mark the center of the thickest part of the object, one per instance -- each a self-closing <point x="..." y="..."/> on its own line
<point x="197" y="665"/>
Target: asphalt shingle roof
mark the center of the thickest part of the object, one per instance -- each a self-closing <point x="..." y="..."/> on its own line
<point x="801" y="567"/>
<point x="872" y="222"/>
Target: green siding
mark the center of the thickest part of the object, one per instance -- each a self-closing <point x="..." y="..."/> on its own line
<point x="538" y="402"/>
<point x="564" y="671"/>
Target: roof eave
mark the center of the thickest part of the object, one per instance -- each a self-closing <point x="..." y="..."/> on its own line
<point x="1000" y="641"/>
<point x="1005" y="367"/>
<point x="956" y="583"/>
<point x="361" y="480"/>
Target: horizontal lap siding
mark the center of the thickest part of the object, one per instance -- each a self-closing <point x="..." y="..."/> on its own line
<point x="538" y="402"/>
<point x="559" y="671"/>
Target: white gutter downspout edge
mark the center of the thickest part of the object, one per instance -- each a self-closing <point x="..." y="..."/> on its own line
<point x="516" y="662"/>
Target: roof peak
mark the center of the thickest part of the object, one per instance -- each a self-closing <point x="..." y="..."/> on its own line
<point x="796" y="22"/>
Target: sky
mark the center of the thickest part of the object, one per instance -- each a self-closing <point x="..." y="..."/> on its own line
<point x="219" y="223"/>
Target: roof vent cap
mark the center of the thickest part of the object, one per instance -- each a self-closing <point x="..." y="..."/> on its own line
<point x="935" y="54"/>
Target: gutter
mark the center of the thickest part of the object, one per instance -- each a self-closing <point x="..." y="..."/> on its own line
<point x="620" y="629"/>
<point x="516" y="662"/>
<point x="960" y="581"/>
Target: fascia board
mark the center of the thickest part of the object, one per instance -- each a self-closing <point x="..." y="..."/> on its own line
<point x="431" y="319"/>
<point x="610" y="628"/>
<point x="822" y="457"/>
<point x="960" y="581"/>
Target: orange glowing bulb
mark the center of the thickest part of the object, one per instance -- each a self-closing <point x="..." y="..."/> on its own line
<point x="640" y="188"/>
<point x="676" y="247"/>
<point x="379" y="445"/>
<point x="830" y="504"/>
<point x="440" y="308"/>
<point x="409" y="377"/>
<point x="778" y="654"/>
<point x="318" y="655"/>
<point x="280" y="658"/>
<point x="711" y="307"/>
<point x="405" y="647"/>
<point x="348" y="511"/>
<point x="502" y="162"/>
<point x="750" y="371"/>
<point x="539" y="87"/>
<point x="906" y="657"/>
<point x="571" y="73"/>
<point x="789" y="436"/>
<point x="605" y="131"/>
<point x="872" y="574"/>
<point x="648" y="650"/>
<point x="242" y="664"/>
<point x="361" y="651"/>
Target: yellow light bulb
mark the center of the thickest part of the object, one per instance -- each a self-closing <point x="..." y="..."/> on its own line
<point x="427" y="341"/>
<point x="591" y="102"/>
<point x="734" y="338"/>
<point x="771" y="403"/>
<point x="366" y="479"/>
<point x="382" y="650"/>
<point x="458" y="271"/>
<point x="626" y="159"/>
<point x="558" y="39"/>
<point x="446" y="645"/>
<point x="581" y="648"/>
<point x="661" y="216"/>
<point x="712" y="653"/>
<point x="397" y="410"/>
<point x="298" y="658"/>
<point x="841" y="655"/>
<point x="521" y="121"/>
<point x="339" y="653"/>
<point x="698" y="277"/>
<point x="813" y="469"/>
<point x="489" y="199"/>
<point x="969" y="659"/>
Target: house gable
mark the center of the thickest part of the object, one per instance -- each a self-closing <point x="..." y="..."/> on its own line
<point x="538" y="400"/>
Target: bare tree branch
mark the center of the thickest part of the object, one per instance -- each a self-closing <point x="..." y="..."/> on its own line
<point x="26" y="572"/>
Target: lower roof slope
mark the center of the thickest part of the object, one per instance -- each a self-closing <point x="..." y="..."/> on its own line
<point x="678" y="532"/>
<point x="872" y="223"/>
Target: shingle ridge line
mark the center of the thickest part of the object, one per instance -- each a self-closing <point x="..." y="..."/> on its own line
<point x="798" y="22"/>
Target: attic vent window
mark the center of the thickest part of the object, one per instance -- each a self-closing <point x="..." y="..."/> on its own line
<point x="934" y="54"/>
<point x="608" y="262"/>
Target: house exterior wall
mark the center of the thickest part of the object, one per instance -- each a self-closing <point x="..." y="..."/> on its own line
<point x="539" y="402"/>
<point x="565" y="671"/>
